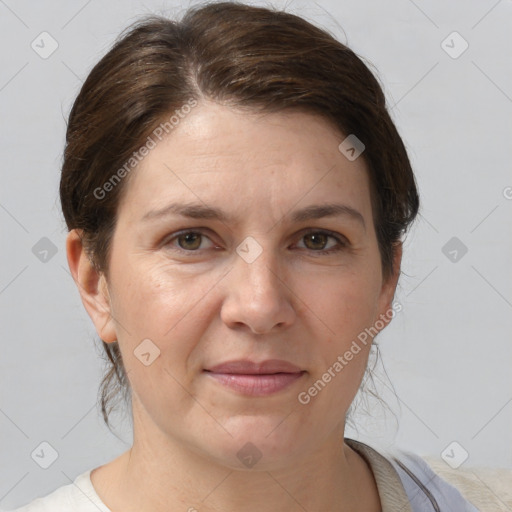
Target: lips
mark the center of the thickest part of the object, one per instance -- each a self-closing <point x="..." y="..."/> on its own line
<point x="246" y="367"/>
<point x="255" y="379"/>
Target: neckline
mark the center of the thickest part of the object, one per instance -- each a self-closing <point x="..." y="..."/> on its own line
<point x="391" y="490"/>
<point x="389" y="485"/>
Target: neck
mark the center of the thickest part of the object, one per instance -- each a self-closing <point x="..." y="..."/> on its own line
<point x="160" y="474"/>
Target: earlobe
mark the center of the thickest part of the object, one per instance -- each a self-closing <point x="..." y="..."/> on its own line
<point x="92" y="287"/>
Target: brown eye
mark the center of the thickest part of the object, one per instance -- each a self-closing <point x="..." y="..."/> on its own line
<point x="317" y="240"/>
<point x="189" y="241"/>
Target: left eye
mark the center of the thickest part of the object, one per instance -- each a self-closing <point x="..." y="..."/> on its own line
<point x="318" y="240"/>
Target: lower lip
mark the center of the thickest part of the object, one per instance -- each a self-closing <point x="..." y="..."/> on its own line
<point x="256" y="385"/>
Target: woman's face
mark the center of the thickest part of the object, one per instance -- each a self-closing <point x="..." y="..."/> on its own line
<point x="243" y="277"/>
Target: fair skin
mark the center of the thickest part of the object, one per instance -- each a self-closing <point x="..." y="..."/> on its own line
<point x="202" y="304"/>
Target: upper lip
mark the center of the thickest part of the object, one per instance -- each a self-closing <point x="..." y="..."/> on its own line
<point x="246" y="367"/>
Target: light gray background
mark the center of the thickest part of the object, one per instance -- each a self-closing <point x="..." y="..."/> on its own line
<point x="448" y="353"/>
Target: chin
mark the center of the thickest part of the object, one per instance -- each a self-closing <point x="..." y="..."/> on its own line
<point x="258" y="443"/>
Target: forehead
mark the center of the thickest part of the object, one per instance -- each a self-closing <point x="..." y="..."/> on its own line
<point x="236" y="160"/>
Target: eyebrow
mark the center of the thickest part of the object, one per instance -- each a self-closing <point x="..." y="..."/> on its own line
<point x="201" y="211"/>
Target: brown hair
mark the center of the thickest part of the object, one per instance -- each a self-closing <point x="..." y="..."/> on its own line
<point x="247" y="57"/>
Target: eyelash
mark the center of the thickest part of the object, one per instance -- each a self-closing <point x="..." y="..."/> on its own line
<point x="341" y="243"/>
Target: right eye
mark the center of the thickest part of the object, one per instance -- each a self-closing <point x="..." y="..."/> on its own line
<point x="188" y="241"/>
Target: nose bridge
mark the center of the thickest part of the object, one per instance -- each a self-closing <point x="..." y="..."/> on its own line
<point x="258" y="264"/>
<point x="257" y="295"/>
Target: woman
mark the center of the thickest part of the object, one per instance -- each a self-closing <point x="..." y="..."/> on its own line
<point x="236" y="195"/>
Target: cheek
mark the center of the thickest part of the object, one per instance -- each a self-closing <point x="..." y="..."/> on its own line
<point x="155" y="298"/>
<point x="347" y="303"/>
<point x="348" y="306"/>
<point x="173" y="311"/>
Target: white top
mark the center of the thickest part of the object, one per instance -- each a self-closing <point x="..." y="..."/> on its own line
<point x="404" y="480"/>
<point x="80" y="496"/>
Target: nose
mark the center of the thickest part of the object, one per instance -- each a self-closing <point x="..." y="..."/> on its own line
<point x="257" y="296"/>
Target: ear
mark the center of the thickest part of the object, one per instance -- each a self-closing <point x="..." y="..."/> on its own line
<point x="386" y="311"/>
<point x="92" y="286"/>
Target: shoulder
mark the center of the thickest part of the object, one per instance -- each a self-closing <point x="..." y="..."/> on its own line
<point x="407" y="474"/>
<point x="487" y="488"/>
<point x="78" y="496"/>
<point x="472" y="489"/>
<point x="425" y="488"/>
